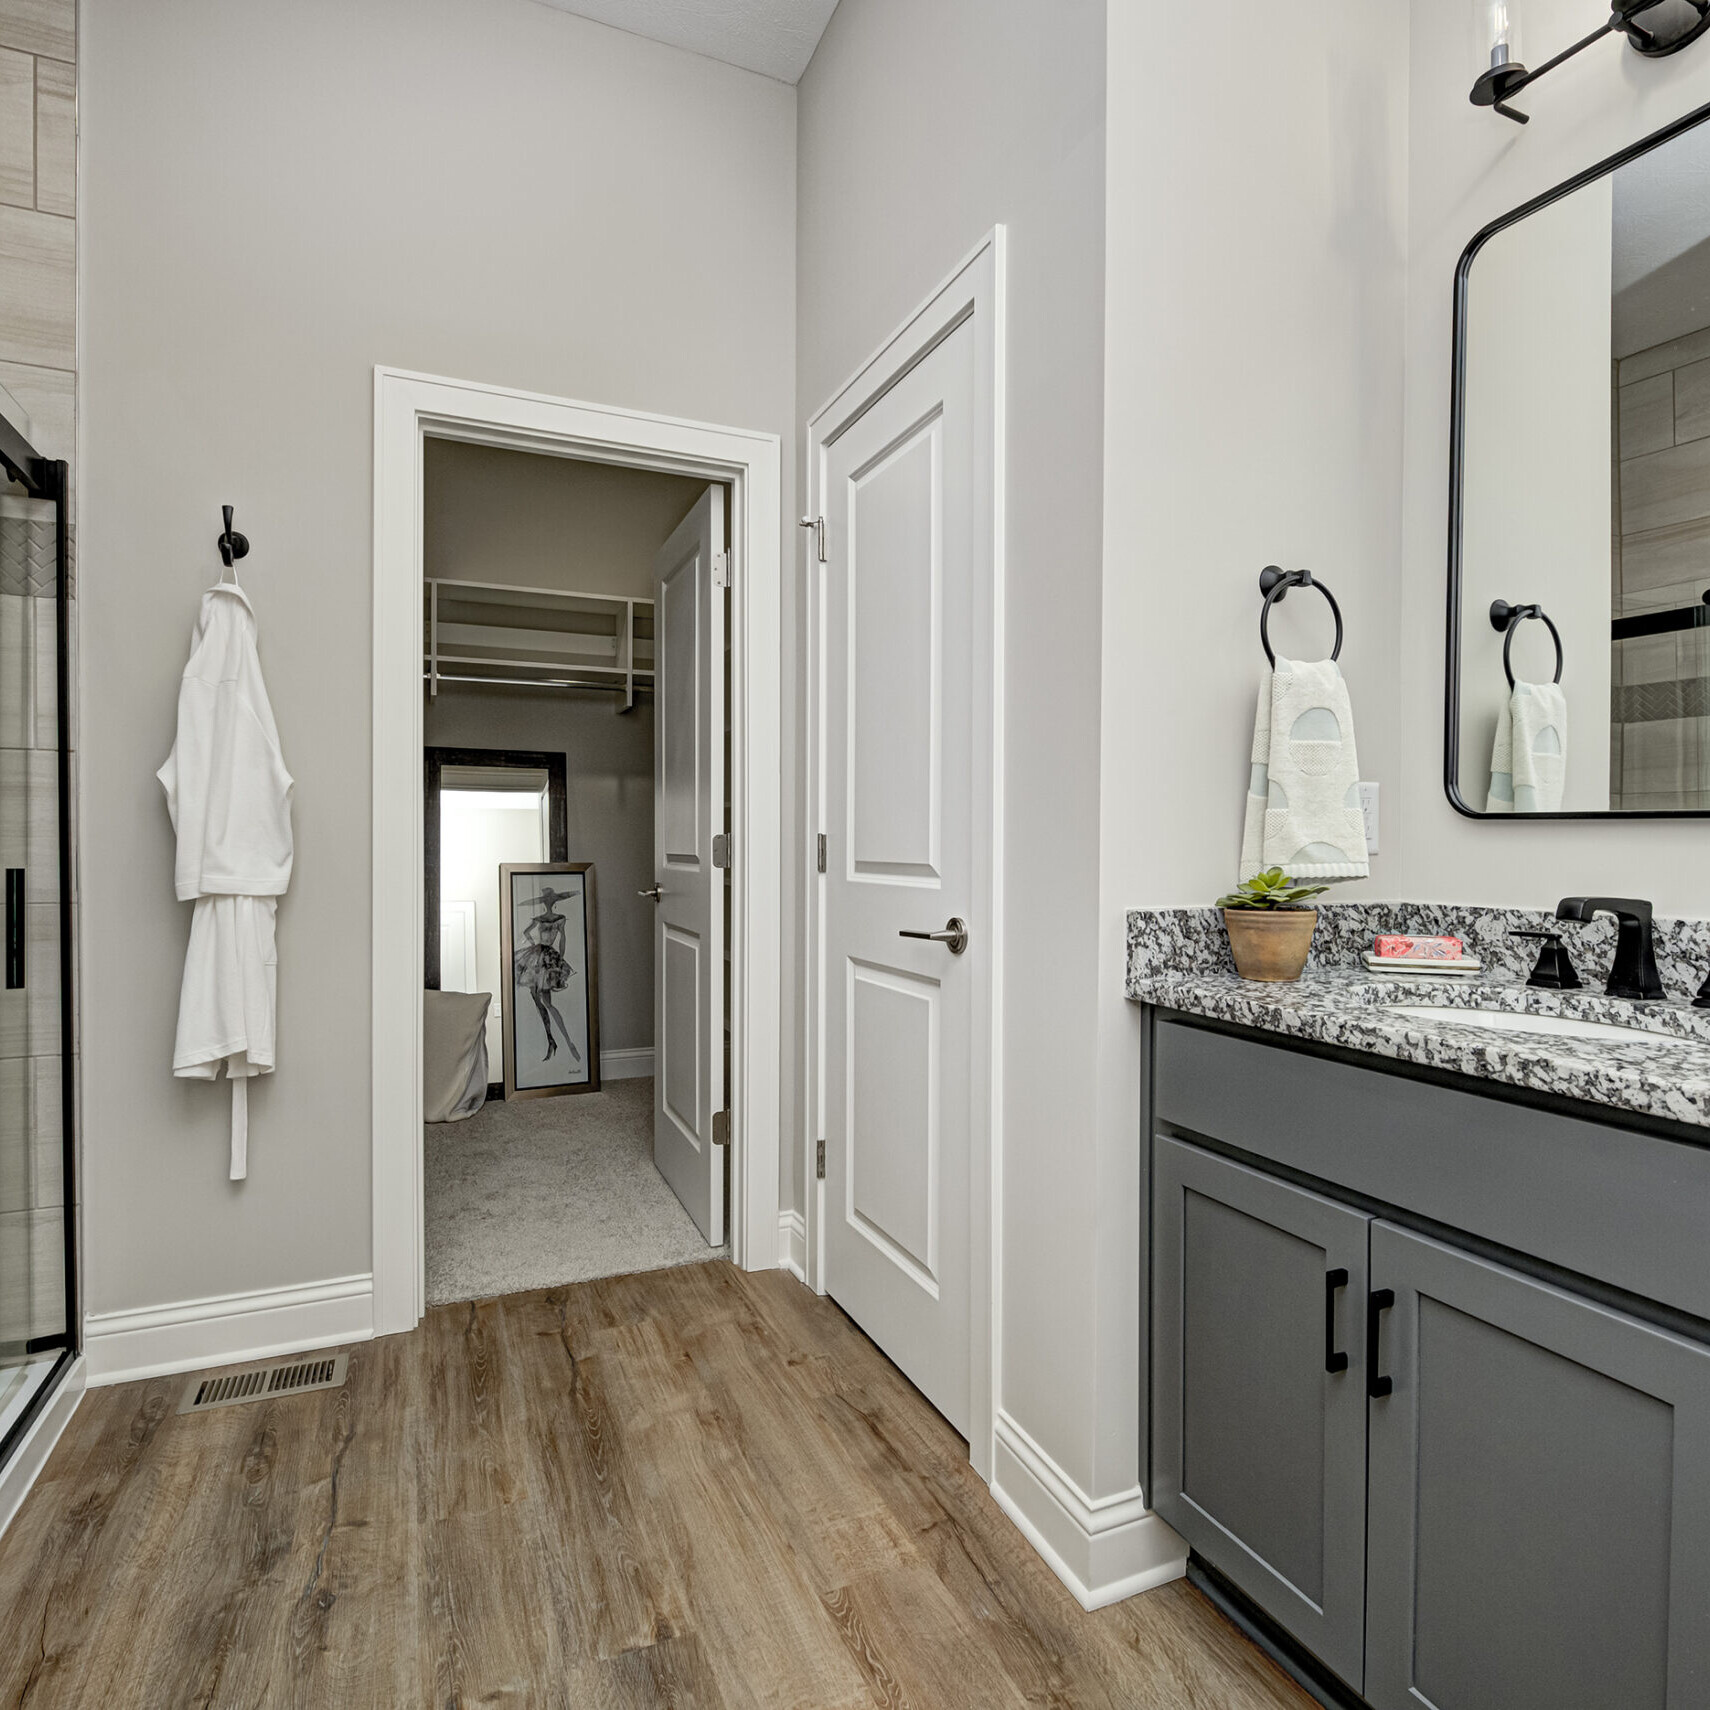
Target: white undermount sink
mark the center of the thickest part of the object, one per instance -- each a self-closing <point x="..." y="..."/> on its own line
<point x="1505" y="1021"/>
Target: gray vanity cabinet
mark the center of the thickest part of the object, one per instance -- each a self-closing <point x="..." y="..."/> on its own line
<point x="1259" y="1400"/>
<point x="1539" y="1525"/>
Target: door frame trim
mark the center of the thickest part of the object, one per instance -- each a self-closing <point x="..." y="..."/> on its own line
<point x="974" y="290"/>
<point x="409" y="409"/>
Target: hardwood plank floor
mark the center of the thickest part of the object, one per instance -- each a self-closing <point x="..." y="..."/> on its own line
<point x="692" y="1488"/>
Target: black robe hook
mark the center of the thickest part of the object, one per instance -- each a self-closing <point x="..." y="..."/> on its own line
<point x="232" y="545"/>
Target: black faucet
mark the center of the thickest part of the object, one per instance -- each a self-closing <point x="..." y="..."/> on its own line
<point x="1634" y="971"/>
<point x="1553" y="971"/>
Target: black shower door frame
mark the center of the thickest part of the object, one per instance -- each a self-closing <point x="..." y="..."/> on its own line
<point x="49" y="478"/>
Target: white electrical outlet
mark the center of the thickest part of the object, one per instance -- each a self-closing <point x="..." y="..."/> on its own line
<point x="1369" y="808"/>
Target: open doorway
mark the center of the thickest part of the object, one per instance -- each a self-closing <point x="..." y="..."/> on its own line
<point x="411" y="412"/>
<point x="574" y="739"/>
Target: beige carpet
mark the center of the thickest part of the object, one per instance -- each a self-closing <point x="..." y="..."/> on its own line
<point x="542" y="1191"/>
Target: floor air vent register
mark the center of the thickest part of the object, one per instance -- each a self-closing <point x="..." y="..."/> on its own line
<point x="264" y="1383"/>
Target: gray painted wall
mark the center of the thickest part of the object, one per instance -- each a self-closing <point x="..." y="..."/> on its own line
<point x="278" y="199"/>
<point x="1254" y="307"/>
<point x="490" y="515"/>
<point x="609" y="784"/>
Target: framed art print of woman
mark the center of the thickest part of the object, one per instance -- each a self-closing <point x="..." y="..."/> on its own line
<point x="549" y="957"/>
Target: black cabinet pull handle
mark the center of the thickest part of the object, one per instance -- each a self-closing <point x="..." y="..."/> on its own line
<point x="14" y="929"/>
<point x="1335" y="1359"/>
<point x="1382" y="1300"/>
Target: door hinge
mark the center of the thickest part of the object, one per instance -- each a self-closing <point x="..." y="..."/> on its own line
<point x="821" y="852"/>
<point x="817" y="524"/>
<point x="721" y="569"/>
<point x="721" y="1128"/>
<point x="819" y="1161"/>
<point x="721" y="850"/>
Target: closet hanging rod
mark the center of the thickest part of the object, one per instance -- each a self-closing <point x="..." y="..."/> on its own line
<point x="482" y="588"/>
<point x="640" y="687"/>
<point x="1274" y="584"/>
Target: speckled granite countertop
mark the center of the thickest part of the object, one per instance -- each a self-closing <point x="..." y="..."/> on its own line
<point x="1179" y="959"/>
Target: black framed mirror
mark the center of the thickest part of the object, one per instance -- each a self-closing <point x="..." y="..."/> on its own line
<point x="1579" y="496"/>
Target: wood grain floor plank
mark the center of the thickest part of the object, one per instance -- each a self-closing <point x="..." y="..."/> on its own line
<point x="695" y="1488"/>
<point x="671" y="1675"/>
<point x="705" y="1521"/>
<point x="352" y="1633"/>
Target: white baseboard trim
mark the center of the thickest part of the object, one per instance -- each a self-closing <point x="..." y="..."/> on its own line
<point x="154" y="1341"/>
<point x="31" y="1454"/>
<point x="792" y="1243"/>
<point x="629" y="1064"/>
<point x="1102" y="1548"/>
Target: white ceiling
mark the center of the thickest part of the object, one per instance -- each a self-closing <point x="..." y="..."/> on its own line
<point x="774" y="37"/>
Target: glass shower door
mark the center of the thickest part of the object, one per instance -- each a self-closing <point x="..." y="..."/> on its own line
<point x="36" y="1272"/>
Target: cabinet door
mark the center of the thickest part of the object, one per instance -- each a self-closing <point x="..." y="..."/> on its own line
<point x="1259" y="1402"/>
<point x="1539" y="1501"/>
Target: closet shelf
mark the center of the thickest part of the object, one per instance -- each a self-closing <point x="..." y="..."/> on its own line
<point x="538" y="638"/>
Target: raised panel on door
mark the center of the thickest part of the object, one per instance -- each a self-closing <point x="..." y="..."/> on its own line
<point x="1259" y="1447"/>
<point x="891" y="1176"/>
<point x="679" y="713"/>
<point x="895" y="597"/>
<point x="1540" y="1496"/>
<point x="679" y="1064"/>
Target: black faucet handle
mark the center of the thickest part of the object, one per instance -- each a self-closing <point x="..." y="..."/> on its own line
<point x="1554" y="969"/>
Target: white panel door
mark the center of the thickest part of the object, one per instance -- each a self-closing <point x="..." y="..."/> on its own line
<point x="688" y="812"/>
<point x="898" y="759"/>
<point x="457" y="945"/>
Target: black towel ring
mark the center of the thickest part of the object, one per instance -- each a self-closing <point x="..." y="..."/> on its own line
<point x="1274" y="584"/>
<point x="1505" y="619"/>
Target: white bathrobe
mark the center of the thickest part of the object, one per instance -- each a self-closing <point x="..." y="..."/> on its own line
<point x="230" y="799"/>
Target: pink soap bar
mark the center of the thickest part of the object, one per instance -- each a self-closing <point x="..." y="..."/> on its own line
<point x="1420" y="949"/>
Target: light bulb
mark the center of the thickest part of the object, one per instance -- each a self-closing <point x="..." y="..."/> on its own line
<point x="1497" y="25"/>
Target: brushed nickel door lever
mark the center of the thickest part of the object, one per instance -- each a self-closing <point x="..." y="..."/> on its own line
<point x="954" y="935"/>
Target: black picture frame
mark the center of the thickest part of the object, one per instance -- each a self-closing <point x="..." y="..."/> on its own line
<point x="434" y="763"/>
<point x="1457" y="473"/>
<point x="579" y="977"/>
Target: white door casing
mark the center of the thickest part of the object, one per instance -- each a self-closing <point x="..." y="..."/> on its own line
<point x="902" y="1056"/>
<point x="688" y="813"/>
<point x="408" y="409"/>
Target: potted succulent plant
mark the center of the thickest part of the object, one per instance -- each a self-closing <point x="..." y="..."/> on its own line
<point x="1270" y="928"/>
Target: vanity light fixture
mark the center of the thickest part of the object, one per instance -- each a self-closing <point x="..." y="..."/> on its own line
<point x="1652" y="27"/>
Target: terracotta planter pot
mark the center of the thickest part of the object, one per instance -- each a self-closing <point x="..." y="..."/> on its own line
<point x="1270" y="943"/>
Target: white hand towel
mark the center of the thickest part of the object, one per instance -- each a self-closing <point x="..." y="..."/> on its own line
<point x="1303" y="794"/>
<point x="1528" y="760"/>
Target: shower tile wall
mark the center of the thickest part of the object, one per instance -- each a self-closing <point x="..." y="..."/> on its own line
<point x="38" y="362"/>
<point x="1660" y="753"/>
